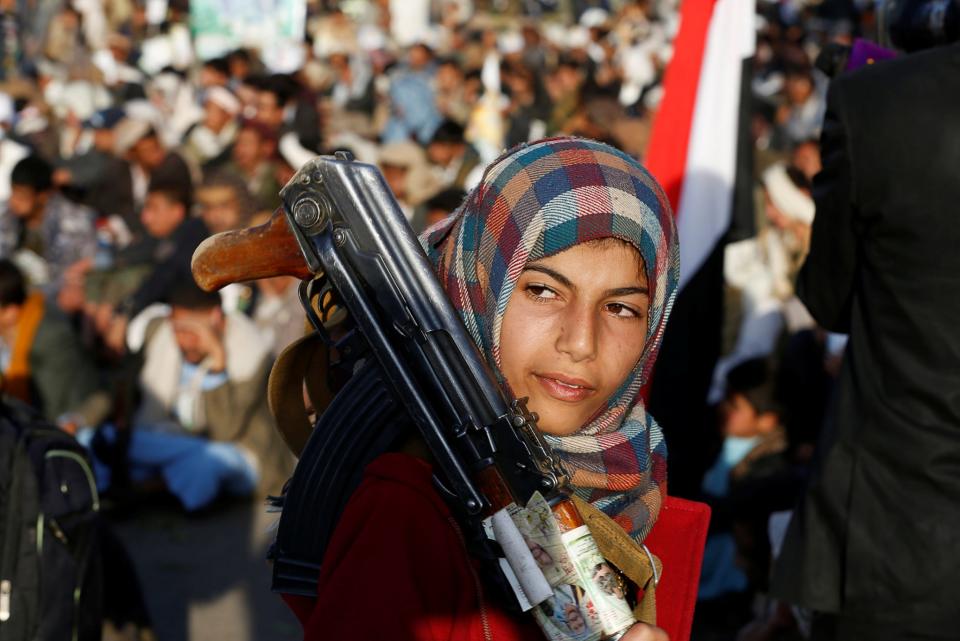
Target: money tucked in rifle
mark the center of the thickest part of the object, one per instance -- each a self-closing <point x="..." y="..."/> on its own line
<point x="586" y="597"/>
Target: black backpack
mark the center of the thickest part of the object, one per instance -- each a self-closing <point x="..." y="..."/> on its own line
<point x="50" y="566"/>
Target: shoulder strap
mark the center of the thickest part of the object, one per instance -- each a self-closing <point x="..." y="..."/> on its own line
<point x="305" y="361"/>
<point x="363" y="421"/>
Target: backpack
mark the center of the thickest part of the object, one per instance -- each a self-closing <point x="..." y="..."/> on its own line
<point x="50" y="566"/>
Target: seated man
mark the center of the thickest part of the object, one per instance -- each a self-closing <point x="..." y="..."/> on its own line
<point x="208" y="143"/>
<point x="751" y="478"/>
<point x="101" y="177"/>
<point x="41" y="359"/>
<point x="203" y="424"/>
<point x="252" y="158"/>
<point x="456" y="162"/>
<point x="225" y="203"/>
<point x="143" y="274"/>
<point x="44" y="232"/>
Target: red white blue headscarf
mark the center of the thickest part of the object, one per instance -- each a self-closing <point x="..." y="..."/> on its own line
<point x="538" y="200"/>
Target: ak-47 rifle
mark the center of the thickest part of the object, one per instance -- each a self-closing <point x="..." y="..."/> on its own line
<point x="412" y="362"/>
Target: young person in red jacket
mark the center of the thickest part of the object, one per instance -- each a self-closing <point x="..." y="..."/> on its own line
<point x="563" y="264"/>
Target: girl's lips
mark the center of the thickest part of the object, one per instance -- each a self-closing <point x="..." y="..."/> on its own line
<point x="563" y="388"/>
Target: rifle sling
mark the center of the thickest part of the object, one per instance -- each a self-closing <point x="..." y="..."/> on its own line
<point x="304" y="361"/>
<point x="362" y="422"/>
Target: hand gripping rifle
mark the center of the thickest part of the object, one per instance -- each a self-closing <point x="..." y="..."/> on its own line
<point x="410" y="362"/>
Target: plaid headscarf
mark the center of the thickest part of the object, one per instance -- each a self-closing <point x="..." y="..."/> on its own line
<point x="538" y="200"/>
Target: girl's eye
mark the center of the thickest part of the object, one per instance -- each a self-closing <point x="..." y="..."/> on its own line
<point x="541" y="292"/>
<point x="622" y="311"/>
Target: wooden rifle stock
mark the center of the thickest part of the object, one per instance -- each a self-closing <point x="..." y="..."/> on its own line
<point x="495" y="488"/>
<point x="265" y="251"/>
<point x="498" y="493"/>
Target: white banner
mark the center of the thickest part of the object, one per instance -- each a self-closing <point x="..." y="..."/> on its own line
<point x="274" y="27"/>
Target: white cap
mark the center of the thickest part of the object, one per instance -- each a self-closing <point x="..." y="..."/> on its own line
<point x="594" y="17"/>
<point x="142" y="109"/>
<point x="554" y="33"/>
<point x="510" y="42"/>
<point x="371" y="38"/>
<point x="787" y="197"/>
<point x="224" y="99"/>
<point x="129" y="132"/>
<point x="403" y="153"/>
<point x="578" y="37"/>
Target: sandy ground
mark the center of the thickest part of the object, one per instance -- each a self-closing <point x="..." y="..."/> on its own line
<point x="205" y="577"/>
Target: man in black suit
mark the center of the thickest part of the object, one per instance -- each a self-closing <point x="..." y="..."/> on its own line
<point x="874" y="548"/>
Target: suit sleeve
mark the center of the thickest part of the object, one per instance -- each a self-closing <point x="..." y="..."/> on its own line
<point x="826" y="281"/>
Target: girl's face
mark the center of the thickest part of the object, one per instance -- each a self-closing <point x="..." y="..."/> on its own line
<point x="574" y="329"/>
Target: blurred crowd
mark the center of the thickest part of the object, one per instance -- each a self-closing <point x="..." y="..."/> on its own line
<point x="121" y="150"/>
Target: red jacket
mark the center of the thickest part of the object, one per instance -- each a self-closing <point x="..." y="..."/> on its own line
<point x="397" y="568"/>
<point x="397" y="528"/>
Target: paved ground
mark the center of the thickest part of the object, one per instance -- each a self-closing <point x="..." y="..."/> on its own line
<point x="205" y="577"/>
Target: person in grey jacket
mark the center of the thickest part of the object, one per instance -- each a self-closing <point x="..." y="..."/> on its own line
<point x="43" y="231"/>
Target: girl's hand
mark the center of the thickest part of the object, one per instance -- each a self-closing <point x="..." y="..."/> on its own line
<point x="645" y="632"/>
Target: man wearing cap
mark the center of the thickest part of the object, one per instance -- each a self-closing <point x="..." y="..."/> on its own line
<point x="762" y="270"/>
<point x="137" y="141"/>
<point x="101" y="177"/>
<point x="208" y="143"/>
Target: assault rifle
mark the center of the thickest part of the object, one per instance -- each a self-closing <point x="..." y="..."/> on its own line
<point x="410" y="362"/>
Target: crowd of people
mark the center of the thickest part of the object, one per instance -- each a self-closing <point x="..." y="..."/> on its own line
<point x="112" y="173"/>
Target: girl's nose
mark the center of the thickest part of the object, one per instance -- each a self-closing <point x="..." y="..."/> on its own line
<point x="578" y="332"/>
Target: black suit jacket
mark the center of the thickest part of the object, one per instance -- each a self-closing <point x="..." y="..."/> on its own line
<point x="877" y="537"/>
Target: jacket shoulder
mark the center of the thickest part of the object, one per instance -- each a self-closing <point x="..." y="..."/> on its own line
<point x="901" y="76"/>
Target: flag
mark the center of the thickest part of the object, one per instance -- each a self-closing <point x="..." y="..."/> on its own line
<point x="693" y="146"/>
<point x="700" y="152"/>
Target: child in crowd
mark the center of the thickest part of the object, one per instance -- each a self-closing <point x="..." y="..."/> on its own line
<point x="750" y="479"/>
<point x="563" y="264"/>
